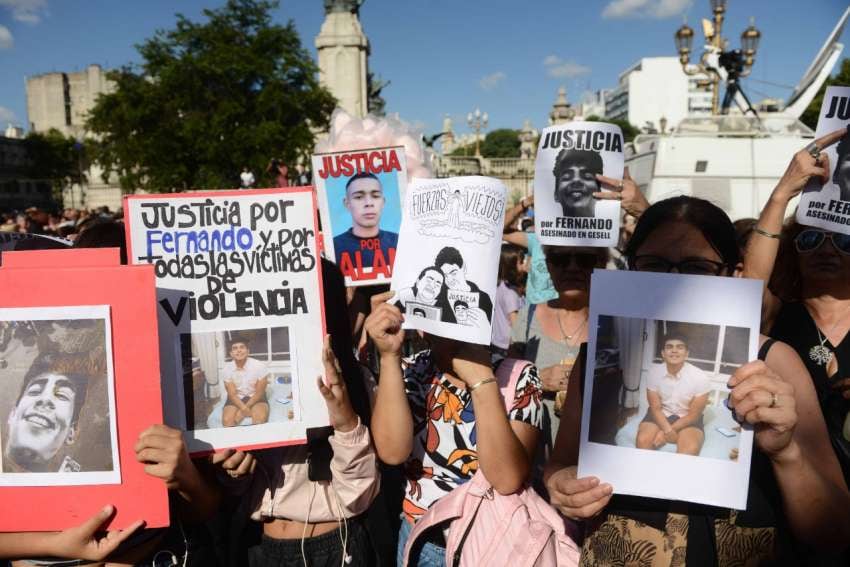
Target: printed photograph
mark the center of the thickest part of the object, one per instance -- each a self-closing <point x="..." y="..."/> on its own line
<point x="238" y="377"/>
<point x="661" y="386"/>
<point x="575" y="181"/>
<point x="442" y="292"/>
<point x="57" y="407"/>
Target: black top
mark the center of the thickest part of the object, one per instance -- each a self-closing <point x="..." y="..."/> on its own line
<point x="795" y="326"/>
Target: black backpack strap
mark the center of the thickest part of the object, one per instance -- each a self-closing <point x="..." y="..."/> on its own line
<point x="765" y="348"/>
<point x="528" y="316"/>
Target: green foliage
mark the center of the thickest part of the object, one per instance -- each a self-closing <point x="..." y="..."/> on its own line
<point x="375" y="102"/>
<point x="810" y="115"/>
<point x="208" y="99"/>
<point x="629" y="131"/>
<point x="56" y="157"/>
<point x="500" y="143"/>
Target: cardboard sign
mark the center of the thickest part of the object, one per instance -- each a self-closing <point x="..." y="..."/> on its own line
<point x="240" y="312"/>
<point x="679" y="345"/>
<point x="360" y="194"/>
<point x="568" y="159"/>
<point x="448" y="260"/>
<point x="81" y="383"/>
<point x="827" y="205"/>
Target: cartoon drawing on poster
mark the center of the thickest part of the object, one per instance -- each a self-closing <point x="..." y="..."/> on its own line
<point x="569" y="158"/>
<point x="827" y="205"/>
<point x="239" y="293"/>
<point x="451" y="229"/>
<point x="654" y="417"/>
<point x="58" y="418"/>
<point x="360" y="195"/>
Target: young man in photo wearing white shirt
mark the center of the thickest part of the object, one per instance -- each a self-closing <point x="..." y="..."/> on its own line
<point x="245" y="380"/>
<point x="677" y="392"/>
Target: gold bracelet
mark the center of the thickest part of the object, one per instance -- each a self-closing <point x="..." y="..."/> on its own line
<point x="766" y="233"/>
<point x="481" y="383"/>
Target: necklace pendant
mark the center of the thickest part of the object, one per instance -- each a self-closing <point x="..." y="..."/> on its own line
<point x="820" y="355"/>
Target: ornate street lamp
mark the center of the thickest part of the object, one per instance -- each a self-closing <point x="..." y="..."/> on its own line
<point x="477" y="121"/>
<point x="736" y="62"/>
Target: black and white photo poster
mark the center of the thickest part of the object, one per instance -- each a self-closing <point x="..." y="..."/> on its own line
<point x="240" y="312"/>
<point x="58" y="425"/>
<point x="448" y="256"/>
<point x="654" y="417"/>
<point x="569" y="158"/>
<point x="827" y="205"/>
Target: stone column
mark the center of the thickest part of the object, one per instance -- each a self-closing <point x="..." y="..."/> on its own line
<point x="343" y="56"/>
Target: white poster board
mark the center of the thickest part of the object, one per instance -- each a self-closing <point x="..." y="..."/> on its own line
<point x="241" y="317"/>
<point x="448" y="256"/>
<point x="827" y="205"/>
<point x="712" y="325"/>
<point x="360" y="195"/>
<point x="568" y="159"/>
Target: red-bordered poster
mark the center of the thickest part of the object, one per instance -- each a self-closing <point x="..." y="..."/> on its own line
<point x="360" y="193"/>
<point x="80" y="374"/>
<point x="241" y="317"/>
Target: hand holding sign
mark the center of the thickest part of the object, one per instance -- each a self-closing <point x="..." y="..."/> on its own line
<point x="88" y="542"/>
<point x="383" y="325"/>
<point x="804" y="166"/>
<point x="631" y="198"/>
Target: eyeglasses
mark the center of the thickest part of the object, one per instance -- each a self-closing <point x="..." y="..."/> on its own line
<point x="811" y="239"/>
<point x="693" y="266"/>
<point x="584" y="260"/>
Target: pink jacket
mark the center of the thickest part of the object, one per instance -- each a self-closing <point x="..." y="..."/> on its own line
<point x="280" y="487"/>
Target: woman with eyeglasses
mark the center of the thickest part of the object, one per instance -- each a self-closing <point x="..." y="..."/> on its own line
<point x="550" y="334"/>
<point x="807" y="303"/>
<point x="796" y="490"/>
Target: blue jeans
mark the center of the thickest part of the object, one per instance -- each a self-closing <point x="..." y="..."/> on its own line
<point x="429" y="555"/>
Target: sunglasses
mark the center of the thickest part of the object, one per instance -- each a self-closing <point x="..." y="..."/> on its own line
<point x="811" y="239"/>
<point x="692" y="266"/>
<point x="584" y="260"/>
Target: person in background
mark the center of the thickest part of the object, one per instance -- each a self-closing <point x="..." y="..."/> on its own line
<point x="807" y="302"/>
<point x="509" y="300"/>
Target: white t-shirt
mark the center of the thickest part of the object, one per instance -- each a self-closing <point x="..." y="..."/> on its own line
<point x="677" y="392"/>
<point x="245" y="378"/>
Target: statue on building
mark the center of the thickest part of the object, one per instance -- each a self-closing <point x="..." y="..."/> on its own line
<point x="528" y="141"/>
<point x="562" y="111"/>
<point x="448" y="144"/>
<point x="350" y="6"/>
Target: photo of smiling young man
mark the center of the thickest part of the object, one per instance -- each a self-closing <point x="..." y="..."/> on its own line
<point x="56" y="413"/>
<point x="364" y="200"/>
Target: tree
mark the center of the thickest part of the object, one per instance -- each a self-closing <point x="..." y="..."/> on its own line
<point x="499" y="143"/>
<point x="629" y="131"/>
<point x="812" y="112"/>
<point x="375" y="101"/>
<point x="54" y="156"/>
<point x="208" y="99"/>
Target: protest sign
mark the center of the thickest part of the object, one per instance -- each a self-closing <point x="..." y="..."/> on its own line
<point x="448" y="260"/>
<point x="240" y="312"/>
<point x="360" y="195"/>
<point x="568" y="159"/>
<point x="676" y="347"/>
<point x="80" y="366"/>
<point x="827" y="205"/>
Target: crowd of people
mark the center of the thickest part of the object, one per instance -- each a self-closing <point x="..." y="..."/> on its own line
<point x="415" y="416"/>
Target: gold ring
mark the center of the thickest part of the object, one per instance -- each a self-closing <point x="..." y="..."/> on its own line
<point x="774" y="400"/>
<point x="620" y="186"/>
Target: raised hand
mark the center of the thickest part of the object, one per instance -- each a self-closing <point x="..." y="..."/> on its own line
<point x="383" y="325"/>
<point x="234" y="463"/>
<point x="804" y="166"/>
<point x="577" y="498"/>
<point x="626" y="191"/>
<point x="333" y="389"/>
<point x="761" y="398"/>
<point x="87" y="541"/>
<point x="164" y="454"/>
